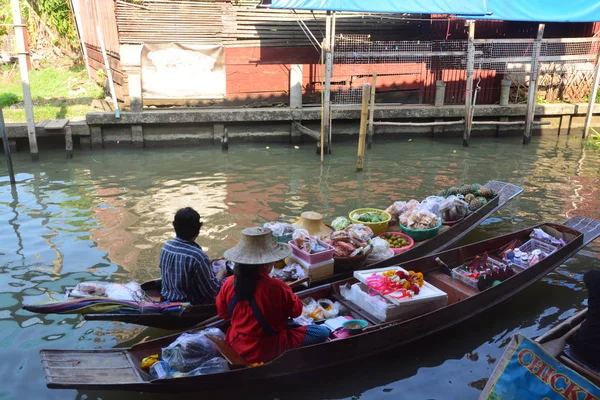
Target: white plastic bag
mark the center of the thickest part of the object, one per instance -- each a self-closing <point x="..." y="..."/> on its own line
<point x="375" y="305"/>
<point x="190" y="350"/>
<point x="340" y="223"/>
<point x="453" y="208"/>
<point x="87" y="289"/>
<point x="131" y="291"/>
<point x="432" y="204"/>
<point x="381" y="250"/>
<point x="279" y="228"/>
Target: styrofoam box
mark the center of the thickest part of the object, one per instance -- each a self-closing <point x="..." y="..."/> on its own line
<point x="316" y="271"/>
<point x="427" y="292"/>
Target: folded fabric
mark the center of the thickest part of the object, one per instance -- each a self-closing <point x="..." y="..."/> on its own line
<point x="101" y="305"/>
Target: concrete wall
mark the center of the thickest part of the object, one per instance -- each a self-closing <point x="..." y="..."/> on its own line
<point x="177" y="127"/>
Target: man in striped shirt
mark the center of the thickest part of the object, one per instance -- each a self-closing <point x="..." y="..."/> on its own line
<point x="187" y="273"/>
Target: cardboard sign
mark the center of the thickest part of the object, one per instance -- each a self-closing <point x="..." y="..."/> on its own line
<point x="176" y="71"/>
<point x="526" y="371"/>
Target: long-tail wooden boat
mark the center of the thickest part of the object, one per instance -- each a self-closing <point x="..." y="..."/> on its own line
<point x="445" y="238"/>
<point x="544" y="368"/>
<point x="119" y="369"/>
<point x="561" y="334"/>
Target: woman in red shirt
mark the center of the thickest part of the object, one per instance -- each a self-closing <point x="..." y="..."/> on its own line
<point x="258" y="306"/>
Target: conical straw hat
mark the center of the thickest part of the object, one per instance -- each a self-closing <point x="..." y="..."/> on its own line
<point x="258" y="246"/>
<point x="313" y="223"/>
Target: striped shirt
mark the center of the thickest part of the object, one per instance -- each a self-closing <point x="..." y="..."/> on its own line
<point x="187" y="274"/>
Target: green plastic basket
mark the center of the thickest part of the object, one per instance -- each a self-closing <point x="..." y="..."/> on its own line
<point x="419" y="235"/>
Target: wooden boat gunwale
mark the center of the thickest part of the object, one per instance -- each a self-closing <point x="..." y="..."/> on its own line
<point x="381" y="338"/>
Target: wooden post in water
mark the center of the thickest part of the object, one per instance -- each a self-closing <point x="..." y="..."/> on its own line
<point x="371" y="128"/>
<point x="20" y="36"/>
<point x="325" y="120"/>
<point x="11" y="172"/>
<point x="362" y="133"/>
<point x="533" y="78"/>
<point x="469" y="89"/>
<point x="592" y="102"/>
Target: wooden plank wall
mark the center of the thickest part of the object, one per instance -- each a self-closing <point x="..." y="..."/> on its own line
<point x="102" y="12"/>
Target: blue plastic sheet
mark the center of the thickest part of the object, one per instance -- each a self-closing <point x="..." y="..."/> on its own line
<point x="507" y="10"/>
<point x="470" y="7"/>
<point x="526" y="371"/>
<point x="543" y="10"/>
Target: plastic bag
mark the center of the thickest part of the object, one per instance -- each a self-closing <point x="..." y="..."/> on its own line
<point x="539" y="234"/>
<point x="340" y="223"/>
<point x="131" y="291"/>
<point x="381" y="250"/>
<point x="359" y="231"/>
<point x="400" y="207"/>
<point x="453" y="208"/>
<point x="87" y="289"/>
<point x="419" y="219"/>
<point x="279" y="228"/>
<point x="212" y="366"/>
<point x="318" y="310"/>
<point x="375" y="305"/>
<point x="432" y="204"/>
<point x="190" y="350"/>
<point x="289" y="272"/>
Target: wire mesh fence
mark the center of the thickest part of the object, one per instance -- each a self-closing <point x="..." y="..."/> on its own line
<point x="566" y="66"/>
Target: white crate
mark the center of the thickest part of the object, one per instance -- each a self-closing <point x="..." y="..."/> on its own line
<point x="427" y="292"/>
<point x="315" y="271"/>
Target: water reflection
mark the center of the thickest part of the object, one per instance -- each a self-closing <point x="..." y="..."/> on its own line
<point x="104" y="216"/>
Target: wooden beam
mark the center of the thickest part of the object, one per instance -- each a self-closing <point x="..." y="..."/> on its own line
<point x="371" y="129"/>
<point x="362" y="132"/>
<point x="307" y="131"/>
<point x="532" y="94"/>
<point x="469" y="88"/>
<point x="445" y="123"/>
<point x="592" y="102"/>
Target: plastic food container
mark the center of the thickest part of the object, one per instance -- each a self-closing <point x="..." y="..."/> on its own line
<point x="421" y="234"/>
<point x="376" y="227"/>
<point x="398" y="250"/>
<point x="313" y="258"/>
<point x="316" y="271"/>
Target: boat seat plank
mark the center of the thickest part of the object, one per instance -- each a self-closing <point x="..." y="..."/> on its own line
<point x="42" y="123"/>
<point x="56" y="124"/>
<point x="88" y="367"/>
<point x="228" y="352"/>
<point x="455" y="289"/>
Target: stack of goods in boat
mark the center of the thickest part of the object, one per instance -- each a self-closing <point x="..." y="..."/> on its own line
<point x="419" y="220"/>
<point x="538" y="247"/>
<point x="191" y="354"/>
<point x="282" y="231"/>
<point x="312" y="254"/>
<point x="475" y="195"/>
<point x="483" y="272"/>
<point x="332" y="314"/>
<point x="351" y="246"/>
<point x="393" y="293"/>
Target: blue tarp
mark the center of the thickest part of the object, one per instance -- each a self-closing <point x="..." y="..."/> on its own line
<point x="543" y="10"/>
<point x="508" y="10"/>
<point x="467" y="7"/>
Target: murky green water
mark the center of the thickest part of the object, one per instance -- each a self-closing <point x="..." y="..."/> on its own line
<point x="104" y="216"/>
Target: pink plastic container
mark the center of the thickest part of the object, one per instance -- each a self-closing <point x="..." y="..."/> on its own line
<point x="410" y="241"/>
<point x="314" y="258"/>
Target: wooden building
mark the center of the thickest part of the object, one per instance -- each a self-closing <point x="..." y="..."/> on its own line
<point x="260" y="46"/>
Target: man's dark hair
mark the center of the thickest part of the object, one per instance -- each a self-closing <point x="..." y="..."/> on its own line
<point x="187" y="223"/>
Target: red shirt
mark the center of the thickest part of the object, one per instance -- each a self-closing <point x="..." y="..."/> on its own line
<point x="277" y="303"/>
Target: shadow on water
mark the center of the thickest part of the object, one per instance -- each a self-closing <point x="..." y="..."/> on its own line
<point x="104" y="215"/>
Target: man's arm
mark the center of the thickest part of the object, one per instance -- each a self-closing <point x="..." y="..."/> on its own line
<point x="207" y="281"/>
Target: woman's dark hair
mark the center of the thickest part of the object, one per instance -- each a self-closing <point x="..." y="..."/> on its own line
<point x="187" y="223"/>
<point x="244" y="283"/>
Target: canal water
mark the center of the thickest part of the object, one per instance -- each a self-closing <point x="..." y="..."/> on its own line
<point x="104" y="215"/>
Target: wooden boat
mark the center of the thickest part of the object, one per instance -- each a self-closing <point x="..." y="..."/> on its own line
<point x="446" y="238"/>
<point x="545" y="368"/>
<point x="118" y="369"/>
<point x="561" y="335"/>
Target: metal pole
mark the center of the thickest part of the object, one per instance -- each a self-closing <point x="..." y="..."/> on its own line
<point x="469" y="90"/>
<point x="371" y="128"/>
<point x="108" y="72"/>
<point x="533" y="78"/>
<point x="11" y="172"/>
<point x="20" y="35"/>
<point x="592" y="102"/>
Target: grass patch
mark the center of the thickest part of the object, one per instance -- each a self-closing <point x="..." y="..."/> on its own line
<point x="594" y="140"/>
<point x="56" y="93"/>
